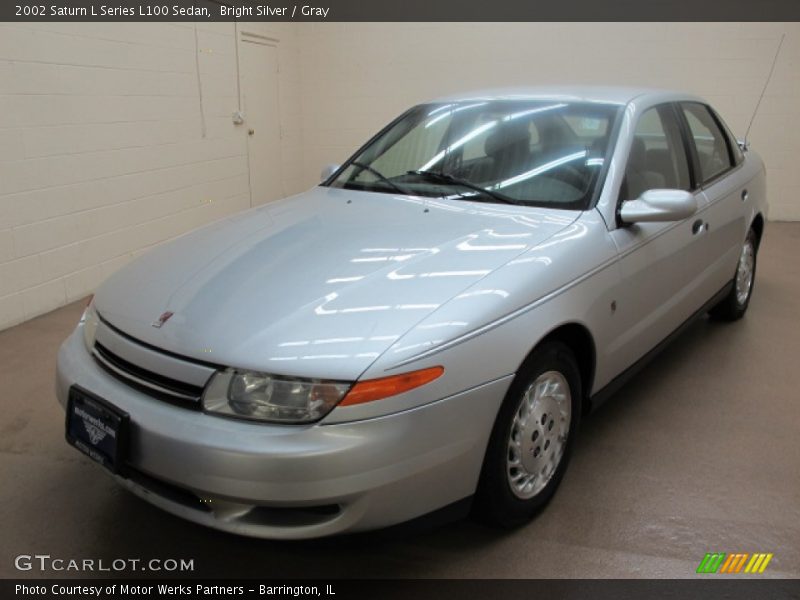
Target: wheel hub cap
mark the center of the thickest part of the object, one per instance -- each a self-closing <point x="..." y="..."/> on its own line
<point x="538" y="434"/>
<point x="744" y="273"/>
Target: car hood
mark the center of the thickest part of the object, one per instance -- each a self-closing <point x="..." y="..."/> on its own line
<point x="317" y="285"/>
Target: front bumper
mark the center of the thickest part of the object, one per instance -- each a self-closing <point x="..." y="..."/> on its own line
<point x="292" y="482"/>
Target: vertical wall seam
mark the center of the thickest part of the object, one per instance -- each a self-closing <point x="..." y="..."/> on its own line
<point x="199" y="82"/>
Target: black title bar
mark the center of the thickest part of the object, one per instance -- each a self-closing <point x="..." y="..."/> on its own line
<point x="401" y="10"/>
<point x="709" y="588"/>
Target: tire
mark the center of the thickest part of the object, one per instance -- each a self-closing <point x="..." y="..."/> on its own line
<point x="735" y="304"/>
<point x="513" y="486"/>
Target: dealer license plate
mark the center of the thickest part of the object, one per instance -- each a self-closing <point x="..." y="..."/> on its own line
<point x="97" y="429"/>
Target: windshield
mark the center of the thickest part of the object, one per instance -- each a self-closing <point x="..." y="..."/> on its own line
<point x="532" y="152"/>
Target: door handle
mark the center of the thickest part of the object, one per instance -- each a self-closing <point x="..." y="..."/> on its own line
<point x="697" y="226"/>
<point x="745" y="195"/>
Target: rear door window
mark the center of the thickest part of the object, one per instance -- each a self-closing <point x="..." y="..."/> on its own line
<point x="711" y="144"/>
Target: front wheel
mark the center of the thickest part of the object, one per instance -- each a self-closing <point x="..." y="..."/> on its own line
<point x="532" y="438"/>
<point x="735" y="304"/>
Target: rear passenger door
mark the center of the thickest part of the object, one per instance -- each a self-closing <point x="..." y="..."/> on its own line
<point x="717" y="159"/>
<point x="661" y="264"/>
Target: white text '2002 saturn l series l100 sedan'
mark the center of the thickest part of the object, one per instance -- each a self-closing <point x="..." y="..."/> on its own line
<point x="424" y="329"/>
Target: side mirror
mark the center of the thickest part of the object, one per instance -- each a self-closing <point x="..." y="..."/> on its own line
<point x="327" y="171"/>
<point x="657" y="206"/>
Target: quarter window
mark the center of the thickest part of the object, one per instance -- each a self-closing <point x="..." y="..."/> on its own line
<point x="657" y="158"/>
<point x="709" y="140"/>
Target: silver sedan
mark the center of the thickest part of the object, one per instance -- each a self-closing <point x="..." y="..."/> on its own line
<point x="426" y="328"/>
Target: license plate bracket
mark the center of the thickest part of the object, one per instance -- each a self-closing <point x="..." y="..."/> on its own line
<point x="97" y="428"/>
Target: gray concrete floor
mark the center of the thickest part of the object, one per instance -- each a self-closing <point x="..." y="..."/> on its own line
<point x="699" y="453"/>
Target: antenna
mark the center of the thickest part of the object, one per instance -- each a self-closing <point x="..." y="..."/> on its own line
<point x="764" y="91"/>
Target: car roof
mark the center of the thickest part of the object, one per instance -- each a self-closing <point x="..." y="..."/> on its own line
<point x="619" y="95"/>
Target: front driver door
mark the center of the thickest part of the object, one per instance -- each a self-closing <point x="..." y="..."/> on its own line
<point x="661" y="264"/>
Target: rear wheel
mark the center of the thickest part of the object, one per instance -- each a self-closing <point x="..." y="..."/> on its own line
<point x="735" y="304"/>
<point x="532" y="438"/>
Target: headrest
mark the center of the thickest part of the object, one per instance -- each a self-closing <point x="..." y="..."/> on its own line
<point x="507" y="138"/>
<point x="638" y="155"/>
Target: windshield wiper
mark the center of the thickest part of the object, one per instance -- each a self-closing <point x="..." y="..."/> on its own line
<point x="382" y="177"/>
<point x="453" y="180"/>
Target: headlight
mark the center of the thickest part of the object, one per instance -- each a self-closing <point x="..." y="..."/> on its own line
<point x="89" y="321"/>
<point x="263" y="397"/>
<point x="272" y="398"/>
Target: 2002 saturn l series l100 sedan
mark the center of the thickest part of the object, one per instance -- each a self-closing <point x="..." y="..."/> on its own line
<point x="427" y="326"/>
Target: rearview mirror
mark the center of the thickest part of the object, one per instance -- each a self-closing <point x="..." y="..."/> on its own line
<point x="657" y="206"/>
<point x="327" y="171"/>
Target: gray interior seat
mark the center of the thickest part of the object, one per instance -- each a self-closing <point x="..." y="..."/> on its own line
<point x="660" y="161"/>
<point x="638" y="177"/>
<point x="508" y="153"/>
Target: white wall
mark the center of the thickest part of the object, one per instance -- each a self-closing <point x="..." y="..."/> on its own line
<point x="104" y="149"/>
<point x="358" y="76"/>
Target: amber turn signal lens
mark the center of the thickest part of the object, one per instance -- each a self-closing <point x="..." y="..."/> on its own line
<point x="377" y="389"/>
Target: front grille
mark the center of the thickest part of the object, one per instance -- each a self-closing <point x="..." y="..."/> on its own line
<point x="153" y="384"/>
